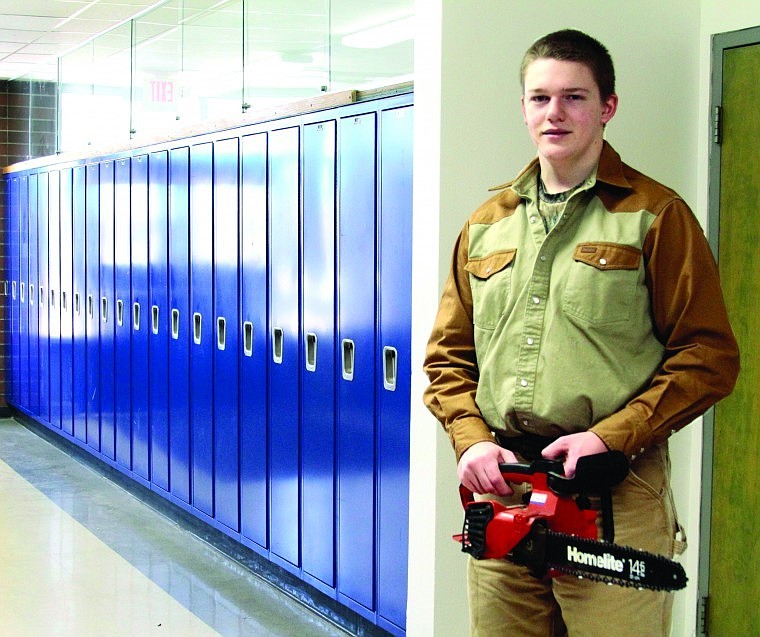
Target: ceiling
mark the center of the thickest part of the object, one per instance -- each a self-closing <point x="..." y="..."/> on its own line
<point x="34" y="33"/>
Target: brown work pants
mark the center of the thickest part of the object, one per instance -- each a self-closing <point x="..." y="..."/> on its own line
<point x="506" y="601"/>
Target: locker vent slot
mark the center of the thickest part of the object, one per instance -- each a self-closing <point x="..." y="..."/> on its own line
<point x="221" y="332"/>
<point x="248" y="338"/>
<point x="104" y="309"/>
<point x="120" y="312"/>
<point x="390" y="368"/>
<point x="136" y="316"/>
<point x="311" y="351"/>
<point x="197" y="328"/>
<point x="175" y="324"/>
<point x="31" y="294"/>
<point x="278" y="336"/>
<point x="348" y="358"/>
<point x="154" y="318"/>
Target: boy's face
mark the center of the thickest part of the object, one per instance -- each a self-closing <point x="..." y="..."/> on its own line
<point x="564" y="111"/>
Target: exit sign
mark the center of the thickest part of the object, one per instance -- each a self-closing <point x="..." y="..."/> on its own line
<point x="161" y="91"/>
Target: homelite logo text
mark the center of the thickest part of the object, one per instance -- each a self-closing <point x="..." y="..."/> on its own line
<point x="606" y="561"/>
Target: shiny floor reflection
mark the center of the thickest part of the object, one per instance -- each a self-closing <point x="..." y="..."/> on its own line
<point x="80" y="556"/>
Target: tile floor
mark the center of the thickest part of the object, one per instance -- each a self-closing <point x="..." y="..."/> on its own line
<point x="80" y="556"/>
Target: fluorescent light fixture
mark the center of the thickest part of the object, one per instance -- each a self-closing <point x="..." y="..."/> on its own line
<point x="381" y="35"/>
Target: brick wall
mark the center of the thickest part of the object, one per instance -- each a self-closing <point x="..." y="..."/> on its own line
<point x="27" y="130"/>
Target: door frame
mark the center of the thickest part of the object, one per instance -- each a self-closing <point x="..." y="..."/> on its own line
<point x="721" y="42"/>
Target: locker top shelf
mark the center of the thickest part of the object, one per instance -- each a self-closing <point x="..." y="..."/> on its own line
<point x="289" y="109"/>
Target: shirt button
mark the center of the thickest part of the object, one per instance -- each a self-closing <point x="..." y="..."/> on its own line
<point x="524" y="382"/>
<point x="532" y="219"/>
<point x="603" y="261"/>
<point x="529" y="341"/>
<point x="536" y="300"/>
<point x="542" y="257"/>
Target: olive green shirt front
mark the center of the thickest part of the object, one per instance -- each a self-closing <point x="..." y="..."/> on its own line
<point x="612" y="321"/>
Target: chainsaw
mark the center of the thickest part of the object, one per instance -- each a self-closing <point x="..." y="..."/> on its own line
<point x="555" y="532"/>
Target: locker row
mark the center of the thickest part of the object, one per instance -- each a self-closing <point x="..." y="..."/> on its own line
<point x="226" y="319"/>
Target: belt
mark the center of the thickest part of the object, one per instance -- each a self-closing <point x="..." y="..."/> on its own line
<point x="529" y="446"/>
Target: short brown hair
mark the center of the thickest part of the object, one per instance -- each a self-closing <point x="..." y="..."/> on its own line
<point x="574" y="46"/>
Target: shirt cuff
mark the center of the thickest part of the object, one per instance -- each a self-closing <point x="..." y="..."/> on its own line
<point x="465" y="432"/>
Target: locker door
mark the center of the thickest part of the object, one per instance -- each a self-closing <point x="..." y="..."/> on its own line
<point x="285" y="349"/>
<point x="179" y="344"/>
<point x="123" y="313"/>
<point x="318" y="370"/>
<point x="23" y="216"/>
<point x="226" y="430"/>
<point x="92" y="295"/>
<point x="54" y="295"/>
<point x="12" y="185"/>
<point x="253" y="366"/>
<point x="33" y="404"/>
<point x="67" y="303"/>
<point x="105" y="310"/>
<point x="43" y="348"/>
<point x="394" y="349"/>
<point x="79" y="286"/>
<point x="159" y="320"/>
<point x="201" y="325"/>
<point x="139" y="317"/>
<point x="356" y="329"/>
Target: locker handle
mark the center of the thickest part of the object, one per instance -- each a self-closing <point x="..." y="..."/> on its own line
<point x="311" y="352"/>
<point x="42" y="296"/>
<point x="63" y="300"/>
<point x="52" y="298"/>
<point x="13" y="290"/>
<point x="197" y="328"/>
<point x="136" y="316"/>
<point x="221" y="332"/>
<point x="89" y="305"/>
<point x="5" y="288"/>
<point x="175" y="323"/>
<point x="248" y="338"/>
<point x="278" y="336"/>
<point x="390" y="368"/>
<point x="22" y="291"/>
<point x="349" y="349"/>
<point x="77" y="305"/>
<point x="119" y="312"/>
<point x="31" y="294"/>
<point x="154" y="318"/>
<point x="104" y="309"/>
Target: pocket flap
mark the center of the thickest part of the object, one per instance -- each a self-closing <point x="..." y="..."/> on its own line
<point x="486" y="266"/>
<point x="608" y="256"/>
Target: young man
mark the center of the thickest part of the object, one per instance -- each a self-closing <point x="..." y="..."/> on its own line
<point x="583" y="313"/>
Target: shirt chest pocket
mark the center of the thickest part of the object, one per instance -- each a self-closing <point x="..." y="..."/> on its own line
<point x="490" y="282"/>
<point x="603" y="283"/>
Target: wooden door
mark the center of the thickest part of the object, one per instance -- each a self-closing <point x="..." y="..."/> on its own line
<point x="734" y="582"/>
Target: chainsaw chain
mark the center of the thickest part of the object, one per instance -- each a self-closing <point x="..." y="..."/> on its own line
<point x="664" y="568"/>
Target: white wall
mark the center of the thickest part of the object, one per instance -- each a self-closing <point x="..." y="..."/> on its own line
<point x="470" y="136"/>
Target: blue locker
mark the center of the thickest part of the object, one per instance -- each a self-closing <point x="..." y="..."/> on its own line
<point x="123" y="313"/>
<point x="284" y="368"/>
<point x="92" y="315"/>
<point x="67" y="303"/>
<point x="394" y="374"/>
<point x="356" y="330"/>
<point x="318" y="369"/>
<point x="79" y="302"/>
<point x="43" y="340"/>
<point x="254" y="352"/>
<point x="179" y="344"/>
<point x="140" y="319"/>
<point x="54" y="295"/>
<point x="159" y="325"/>
<point x="105" y="310"/>
<point x="12" y="188"/>
<point x="201" y="327"/>
<point x="33" y="404"/>
<point x="226" y="428"/>
<point x="23" y="207"/>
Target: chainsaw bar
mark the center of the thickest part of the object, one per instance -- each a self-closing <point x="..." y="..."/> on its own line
<point x="611" y="563"/>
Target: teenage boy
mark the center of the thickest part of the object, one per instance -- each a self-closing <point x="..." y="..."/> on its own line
<point x="582" y="313"/>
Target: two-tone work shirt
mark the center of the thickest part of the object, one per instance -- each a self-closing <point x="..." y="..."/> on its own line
<point x="612" y="321"/>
